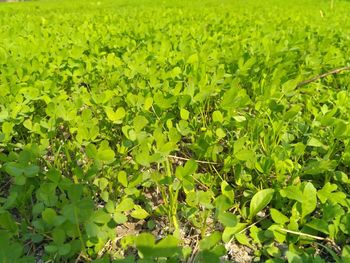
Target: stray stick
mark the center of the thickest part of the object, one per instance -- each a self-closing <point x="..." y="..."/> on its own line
<point x="187" y="159"/>
<point x="302" y="234"/>
<point x="334" y="71"/>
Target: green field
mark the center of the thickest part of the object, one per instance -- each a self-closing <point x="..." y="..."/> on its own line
<point x="175" y="131"/>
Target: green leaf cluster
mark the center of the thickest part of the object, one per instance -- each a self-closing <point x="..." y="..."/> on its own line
<point x="173" y="131"/>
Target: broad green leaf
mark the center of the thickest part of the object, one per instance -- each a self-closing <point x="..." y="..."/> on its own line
<point x="227" y="191"/>
<point x="243" y="239"/>
<point x="245" y="155"/>
<point x="115" y="116"/>
<point x="345" y="255"/>
<point x="220" y="133"/>
<point x="235" y="97"/>
<point x="292" y="112"/>
<point x="259" y="201"/>
<point x="278" y="234"/>
<point x="319" y="225"/>
<point x="91" y="150"/>
<point x="326" y="192"/>
<point x="51" y="248"/>
<point x="123" y="178"/>
<point x="53" y="175"/>
<point x="273" y="251"/>
<point x="64" y="249"/>
<point x="3" y="115"/>
<point x="316" y="143"/>
<point x="101" y="217"/>
<point x="227" y="219"/>
<point x="125" y="205"/>
<point x="319" y="167"/>
<point x="7" y="128"/>
<point x="292" y="192"/>
<point x="49" y="216"/>
<point x="120" y="218"/>
<point x="184" y="114"/>
<point x="278" y="217"/>
<point x="345" y="224"/>
<point x="145" y="242"/>
<point x="230" y="231"/>
<point x="139" y="123"/>
<point x="204" y="198"/>
<point x="239" y="118"/>
<point x="190" y="167"/>
<point x="148" y="103"/>
<point x="17" y="169"/>
<point x="222" y="203"/>
<point x="167" y="247"/>
<point x="8" y="222"/>
<point x="58" y="236"/>
<point x="340" y="129"/>
<point x="293" y="258"/>
<point x="309" y="200"/>
<point x="175" y="72"/>
<point x="139" y="212"/>
<point x="217" y="117"/>
<point x="105" y="153"/>
<point x="193" y="59"/>
<point x="210" y="241"/>
<point x="92" y="230"/>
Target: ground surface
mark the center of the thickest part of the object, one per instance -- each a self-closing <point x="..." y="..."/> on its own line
<point x="152" y="130"/>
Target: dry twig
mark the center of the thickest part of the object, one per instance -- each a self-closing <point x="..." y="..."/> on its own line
<point x="329" y="240"/>
<point x="332" y="72"/>
<point x="187" y="159"/>
<point x="302" y="234"/>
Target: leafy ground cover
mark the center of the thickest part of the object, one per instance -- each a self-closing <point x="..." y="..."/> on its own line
<point x="156" y="131"/>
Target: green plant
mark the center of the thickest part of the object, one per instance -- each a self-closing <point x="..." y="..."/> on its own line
<point x="156" y="131"/>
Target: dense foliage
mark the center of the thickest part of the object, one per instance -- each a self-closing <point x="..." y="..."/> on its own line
<point x="152" y="131"/>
